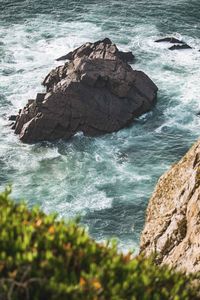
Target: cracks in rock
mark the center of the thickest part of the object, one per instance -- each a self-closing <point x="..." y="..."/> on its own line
<point x="177" y="235"/>
<point x="196" y="162"/>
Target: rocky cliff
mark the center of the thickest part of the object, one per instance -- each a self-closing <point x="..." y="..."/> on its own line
<point x="172" y="227"/>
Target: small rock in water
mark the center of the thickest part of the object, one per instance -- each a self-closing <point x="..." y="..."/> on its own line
<point x="171" y="40"/>
<point x="180" y="47"/>
<point x="12" y="118"/>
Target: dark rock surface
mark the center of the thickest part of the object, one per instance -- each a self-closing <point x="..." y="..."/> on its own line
<point x="178" y="44"/>
<point x="100" y="49"/>
<point x="96" y="92"/>
<point x="171" y="40"/>
<point x="12" y="118"/>
<point x="180" y="47"/>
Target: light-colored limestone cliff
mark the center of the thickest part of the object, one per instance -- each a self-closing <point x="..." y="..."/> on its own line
<point x="172" y="227"/>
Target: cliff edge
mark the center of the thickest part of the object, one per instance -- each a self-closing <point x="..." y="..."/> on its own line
<point x="172" y="227"/>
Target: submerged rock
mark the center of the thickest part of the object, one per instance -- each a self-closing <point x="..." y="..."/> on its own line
<point x="172" y="227"/>
<point x="96" y="92"/>
<point x="180" y="47"/>
<point x="171" y="40"/>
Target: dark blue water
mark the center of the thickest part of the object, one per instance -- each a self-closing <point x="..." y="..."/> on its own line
<point x="107" y="180"/>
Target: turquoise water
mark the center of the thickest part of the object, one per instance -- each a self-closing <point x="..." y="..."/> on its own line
<point x="106" y="180"/>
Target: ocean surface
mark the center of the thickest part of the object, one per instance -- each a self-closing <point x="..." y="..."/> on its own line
<point x="108" y="180"/>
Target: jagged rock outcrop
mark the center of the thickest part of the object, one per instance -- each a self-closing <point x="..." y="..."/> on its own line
<point x="96" y="92"/>
<point x="172" y="227"/>
<point x="100" y="49"/>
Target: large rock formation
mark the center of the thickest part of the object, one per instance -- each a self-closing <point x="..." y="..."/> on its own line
<point x="172" y="228"/>
<point x="95" y="92"/>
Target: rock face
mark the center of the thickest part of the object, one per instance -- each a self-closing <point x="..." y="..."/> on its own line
<point x="172" y="227"/>
<point x="95" y="92"/>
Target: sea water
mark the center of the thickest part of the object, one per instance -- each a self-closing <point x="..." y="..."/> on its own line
<point x="106" y="181"/>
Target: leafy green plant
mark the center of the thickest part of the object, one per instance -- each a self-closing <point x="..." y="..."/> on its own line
<point x="43" y="258"/>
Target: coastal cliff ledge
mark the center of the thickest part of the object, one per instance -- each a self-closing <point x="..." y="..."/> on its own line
<point x="172" y="227"/>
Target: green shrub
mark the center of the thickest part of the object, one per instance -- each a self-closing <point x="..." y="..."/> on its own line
<point x="42" y="258"/>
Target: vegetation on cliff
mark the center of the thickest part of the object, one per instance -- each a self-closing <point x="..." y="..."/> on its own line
<point x="44" y="258"/>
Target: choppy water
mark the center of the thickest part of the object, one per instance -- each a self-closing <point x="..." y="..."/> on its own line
<point x="106" y="180"/>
